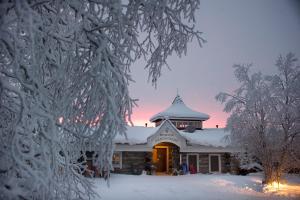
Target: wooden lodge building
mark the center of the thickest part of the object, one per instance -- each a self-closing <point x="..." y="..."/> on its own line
<point x="178" y="139"/>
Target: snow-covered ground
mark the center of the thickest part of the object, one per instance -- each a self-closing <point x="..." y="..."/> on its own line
<point x="193" y="187"/>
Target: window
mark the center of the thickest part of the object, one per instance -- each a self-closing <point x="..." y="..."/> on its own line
<point x="174" y="123"/>
<point x="196" y="124"/>
<point x="182" y="124"/>
<point x="117" y="160"/>
<point x="200" y="124"/>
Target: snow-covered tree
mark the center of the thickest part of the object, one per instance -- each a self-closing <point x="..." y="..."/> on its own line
<point x="265" y="117"/>
<point x="285" y="115"/>
<point x="64" y="75"/>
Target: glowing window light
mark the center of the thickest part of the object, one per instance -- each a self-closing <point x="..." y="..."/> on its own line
<point x="60" y="120"/>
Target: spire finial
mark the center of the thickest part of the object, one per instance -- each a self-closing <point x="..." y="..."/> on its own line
<point x="177" y="99"/>
<point x="177" y="91"/>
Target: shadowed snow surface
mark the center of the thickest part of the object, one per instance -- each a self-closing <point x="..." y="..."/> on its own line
<point x="187" y="187"/>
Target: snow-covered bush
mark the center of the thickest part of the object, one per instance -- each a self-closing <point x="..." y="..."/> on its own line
<point x="64" y="75"/>
<point x="265" y="117"/>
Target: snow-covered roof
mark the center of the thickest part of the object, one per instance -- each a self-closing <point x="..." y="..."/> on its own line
<point x="178" y="110"/>
<point x="207" y="137"/>
<point x="215" y="137"/>
<point x="136" y="135"/>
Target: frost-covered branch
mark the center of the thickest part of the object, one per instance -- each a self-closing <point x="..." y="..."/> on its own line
<point x="64" y="71"/>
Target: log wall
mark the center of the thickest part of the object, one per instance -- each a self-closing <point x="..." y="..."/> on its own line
<point x="133" y="162"/>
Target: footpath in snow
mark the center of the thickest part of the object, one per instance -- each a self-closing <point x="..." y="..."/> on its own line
<point x="194" y="187"/>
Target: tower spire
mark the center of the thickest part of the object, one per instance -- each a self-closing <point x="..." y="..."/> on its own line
<point x="177" y="99"/>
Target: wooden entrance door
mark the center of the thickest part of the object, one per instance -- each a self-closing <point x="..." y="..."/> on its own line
<point x="214" y="163"/>
<point x="161" y="160"/>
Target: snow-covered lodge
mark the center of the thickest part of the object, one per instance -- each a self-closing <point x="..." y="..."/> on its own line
<point x="178" y="138"/>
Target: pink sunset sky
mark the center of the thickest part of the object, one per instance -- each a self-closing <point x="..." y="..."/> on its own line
<point x="237" y="32"/>
<point x="141" y="116"/>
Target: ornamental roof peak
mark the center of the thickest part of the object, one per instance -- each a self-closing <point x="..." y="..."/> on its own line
<point x="178" y="100"/>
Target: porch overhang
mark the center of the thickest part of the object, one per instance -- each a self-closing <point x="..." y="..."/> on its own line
<point x="167" y="133"/>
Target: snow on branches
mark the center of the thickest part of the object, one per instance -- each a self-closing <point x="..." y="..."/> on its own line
<point x="64" y="75"/>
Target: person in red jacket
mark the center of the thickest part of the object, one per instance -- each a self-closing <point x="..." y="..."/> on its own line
<point x="192" y="169"/>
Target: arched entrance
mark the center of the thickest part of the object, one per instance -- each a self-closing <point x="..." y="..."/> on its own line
<point x="165" y="157"/>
